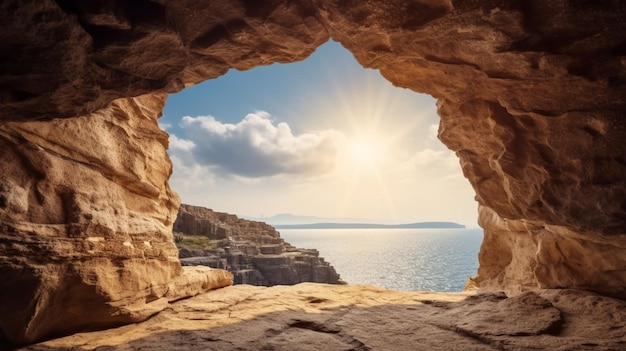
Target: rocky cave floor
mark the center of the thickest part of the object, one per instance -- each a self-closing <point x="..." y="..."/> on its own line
<point x="312" y="316"/>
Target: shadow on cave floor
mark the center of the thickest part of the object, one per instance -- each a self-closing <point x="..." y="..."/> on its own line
<point x="321" y="317"/>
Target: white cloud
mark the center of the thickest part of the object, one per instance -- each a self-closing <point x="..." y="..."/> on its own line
<point x="180" y="144"/>
<point x="189" y="177"/>
<point x="433" y="131"/>
<point x="431" y="141"/>
<point x="432" y="162"/>
<point x="432" y="158"/>
<point x="165" y="126"/>
<point x="255" y="147"/>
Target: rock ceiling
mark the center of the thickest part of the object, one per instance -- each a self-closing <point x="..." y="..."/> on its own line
<point x="531" y="95"/>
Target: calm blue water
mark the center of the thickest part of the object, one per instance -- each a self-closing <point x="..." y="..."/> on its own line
<point x="399" y="259"/>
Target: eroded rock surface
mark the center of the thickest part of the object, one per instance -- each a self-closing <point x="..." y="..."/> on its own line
<point x="330" y="317"/>
<point x="252" y="251"/>
<point x="86" y="223"/>
<point x="531" y="95"/>
<point x="69" y="58"/>
<point x="520" y="255"/>
<point x="532" y="99"/>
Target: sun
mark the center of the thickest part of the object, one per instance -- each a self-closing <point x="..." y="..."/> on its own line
<point x="365" y="151"/>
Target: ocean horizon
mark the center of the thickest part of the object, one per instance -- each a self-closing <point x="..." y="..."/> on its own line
<point x="398" y="259"/>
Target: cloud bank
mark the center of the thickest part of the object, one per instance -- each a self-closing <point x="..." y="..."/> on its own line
<point x="429" y="159"/>
<point x="255" y="147"/>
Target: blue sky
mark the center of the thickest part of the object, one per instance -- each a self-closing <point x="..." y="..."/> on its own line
<point x="322" y="137"/>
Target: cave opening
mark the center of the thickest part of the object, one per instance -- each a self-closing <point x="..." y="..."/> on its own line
<point x="325" y="140"/>
<point x="87" y="209"/>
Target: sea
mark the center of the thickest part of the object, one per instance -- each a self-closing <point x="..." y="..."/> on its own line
<point x="398" y="259"/>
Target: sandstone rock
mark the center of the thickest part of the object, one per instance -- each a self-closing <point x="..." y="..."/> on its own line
<point x="197" y="220"/>
<point x="522" y="315"/>
<point x="523" y="255"/>
<point x="70" y="58"/>
<point x="197" y="279"/>
<point x="85" y="222"/>
<point x="331" y="317"/>
<point x="271" y="249"/>
<point x="252" y="251"/>
<point x="187" y="252"/>
<point x="531" y="96"/>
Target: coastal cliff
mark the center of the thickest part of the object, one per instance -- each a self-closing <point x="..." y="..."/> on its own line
<point x="252" y="251"/>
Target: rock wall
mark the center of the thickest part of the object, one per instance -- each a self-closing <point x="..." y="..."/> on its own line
<point x="85" y="222"/>
<point x="531" y="96"/>
<point x="196" y="220"/>
<point x="252" y="251"/>
<point x="67" y="58"/>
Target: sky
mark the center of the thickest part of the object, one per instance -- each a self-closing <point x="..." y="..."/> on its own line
<point x="323" y="137"/>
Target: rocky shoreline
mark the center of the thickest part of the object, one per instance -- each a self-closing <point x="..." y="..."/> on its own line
<point x="252" y="251"/>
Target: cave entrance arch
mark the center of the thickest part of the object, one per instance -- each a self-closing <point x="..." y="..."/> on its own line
<point x="327" y="139"/>
<point x="534" y="108"/>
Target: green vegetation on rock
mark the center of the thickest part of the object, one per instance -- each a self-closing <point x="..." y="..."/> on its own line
<point x="199" y="242"/>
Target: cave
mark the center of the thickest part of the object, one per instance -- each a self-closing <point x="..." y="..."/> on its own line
<point x="531" y="97"/>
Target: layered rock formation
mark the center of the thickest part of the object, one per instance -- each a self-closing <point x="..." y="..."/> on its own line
<point x="531" y="95"/>
<point x="532" y="98"/>
<point x="252" y="251"/>
<point x="330" y="317"/>
<point x="86" y="223"/>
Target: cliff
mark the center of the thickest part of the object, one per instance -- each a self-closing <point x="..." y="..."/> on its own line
<point x="252" y="251"/>
<point x="531" y="96"/>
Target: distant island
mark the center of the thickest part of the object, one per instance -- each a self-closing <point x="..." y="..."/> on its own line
<point x="428" y="225"/>
<point x="291" y="221"/>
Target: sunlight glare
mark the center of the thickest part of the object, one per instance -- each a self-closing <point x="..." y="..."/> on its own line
<point x="365" y="152"/>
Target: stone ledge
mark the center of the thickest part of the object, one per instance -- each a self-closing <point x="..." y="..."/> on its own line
<point x="197" y="279"/>
<point x="312" y="316"/>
